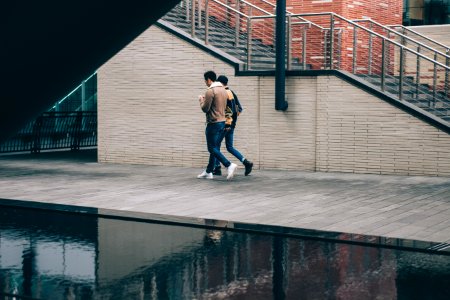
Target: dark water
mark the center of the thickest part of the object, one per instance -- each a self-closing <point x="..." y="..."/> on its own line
<point x="65" y="256"/>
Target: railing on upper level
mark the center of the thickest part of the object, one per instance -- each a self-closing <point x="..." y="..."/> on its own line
<point x="432" y="49"/>
<point x="326" y="41"/>
<point x="55" y="130"/>
<point x="410" y="39"/>
<point x="81" y="98"/>
<point x="405" y="31"/>
<point x="247" y="32"/>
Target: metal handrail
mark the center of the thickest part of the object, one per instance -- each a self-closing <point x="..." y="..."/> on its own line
<point x="230" y="8"/>
<point x="404" y="37"/>
<point x="421" y="35"/>
<point x="75" y="89"/>
<point x="290" y="13"/>
<point x="376" y="34"/>
<point x="257" y="7"/>
<point x="329" y="54"/>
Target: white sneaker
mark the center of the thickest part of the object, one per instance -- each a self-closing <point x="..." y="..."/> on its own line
<point x="231" y="169"/>
<point x="206" y="175"/>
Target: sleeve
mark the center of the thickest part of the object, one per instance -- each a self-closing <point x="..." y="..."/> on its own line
<point x="206" y="102"/>
<point x="240" y="109"/>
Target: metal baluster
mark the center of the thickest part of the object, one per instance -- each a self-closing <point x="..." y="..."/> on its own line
<point x="447" y="63"/>
<point x="369" y="68"/>
<point x="339" y="51"/>
<point x="304" y="47"/>
<point x="402" y="62"/>
<point x="418" y="72"/>
<point x="325" y="43"/>
<point x="331" y="40"/>
<point x="289" y="42"/>
<point x="249" y="43"/>
<point x="383" y="63"/>
<point x="199" y="14"/>
<point x="206" y="21"/>
<point x="83" y="95"/>
<point x="193" y="18"/>
<point x="187" y="9"/>
<point x="355" y="44"/>
<point x="434" y="78"/>
<point x="238" y="22"/>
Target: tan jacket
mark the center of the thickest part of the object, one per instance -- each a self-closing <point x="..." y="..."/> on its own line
<point x="214" y="103"/>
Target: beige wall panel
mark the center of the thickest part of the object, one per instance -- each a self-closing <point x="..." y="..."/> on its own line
<point x="148" y="103"/>
<point x="288" y="138"/>
<point x="149" y="114"/>
<point x="358" y="132"/>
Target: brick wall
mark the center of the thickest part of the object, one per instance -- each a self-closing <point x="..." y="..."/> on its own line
<point x="148" y="113"/>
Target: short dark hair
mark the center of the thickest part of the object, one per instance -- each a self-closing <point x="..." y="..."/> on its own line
<point x="223" y="79"/>
<point x="210" y="75"/>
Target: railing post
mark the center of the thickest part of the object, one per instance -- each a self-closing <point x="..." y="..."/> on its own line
<point x="383" y="63"/>
<point x="402" y="62"/>
<point x="206" y="21"/>
<point x="76" y="138"/>
<point x="339" y="51"/>
<point x="83" y="95"/>
<point x="325" y="47"/>
<point x="417" y="72"/>
<point x="36" y="145"/>
<point x="369" y="67"/>
<point x="193" y="18"/>
<point x="447" y="63"/>
<point x="289" y="42"/>
<point x="434" y="78"/>
<point x="355" y="44"/>
<point x="249" y="43"/>
<point x="199" y="13"/>
<point x="331" y="40"/>
<point x="186" y="2"/>
<point x="238" y="22"/>
<point x="304" y="48"/>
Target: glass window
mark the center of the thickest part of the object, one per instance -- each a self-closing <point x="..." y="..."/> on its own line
<point x="426" y="12"/>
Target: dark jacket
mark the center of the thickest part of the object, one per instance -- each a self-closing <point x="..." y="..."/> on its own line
<point x="233" y="109"/>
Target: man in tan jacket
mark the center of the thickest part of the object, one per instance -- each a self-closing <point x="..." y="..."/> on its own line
<point x="213" y="104"/>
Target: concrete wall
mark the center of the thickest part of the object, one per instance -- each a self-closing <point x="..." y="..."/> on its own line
<point x="149" y="114"/>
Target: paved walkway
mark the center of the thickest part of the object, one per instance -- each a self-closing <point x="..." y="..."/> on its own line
<point x="416" y="208"/>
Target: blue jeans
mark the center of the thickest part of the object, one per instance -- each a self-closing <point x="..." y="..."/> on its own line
<point x="214" y="135"/>
<point x="229" y="137"/>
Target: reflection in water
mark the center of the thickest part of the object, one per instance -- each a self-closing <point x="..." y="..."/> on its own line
<point x="66" y="256"/>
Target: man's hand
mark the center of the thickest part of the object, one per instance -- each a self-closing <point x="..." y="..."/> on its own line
<point x="201" y="98"/>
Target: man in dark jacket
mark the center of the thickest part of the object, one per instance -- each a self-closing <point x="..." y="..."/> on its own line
<point x="232" y="112"/>
<point x="213" y="104"/>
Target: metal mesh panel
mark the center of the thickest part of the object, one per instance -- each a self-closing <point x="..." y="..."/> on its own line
<point x="72" y="130"/>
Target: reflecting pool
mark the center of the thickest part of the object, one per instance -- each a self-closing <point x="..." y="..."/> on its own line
<point x="54" y="255"/>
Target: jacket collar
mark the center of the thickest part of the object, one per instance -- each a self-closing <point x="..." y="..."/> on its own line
<point x="215" y="84"/>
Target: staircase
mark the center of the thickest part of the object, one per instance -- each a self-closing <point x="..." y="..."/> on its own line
<point x="316" y="41"/>
<point x="252" y="45"/>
